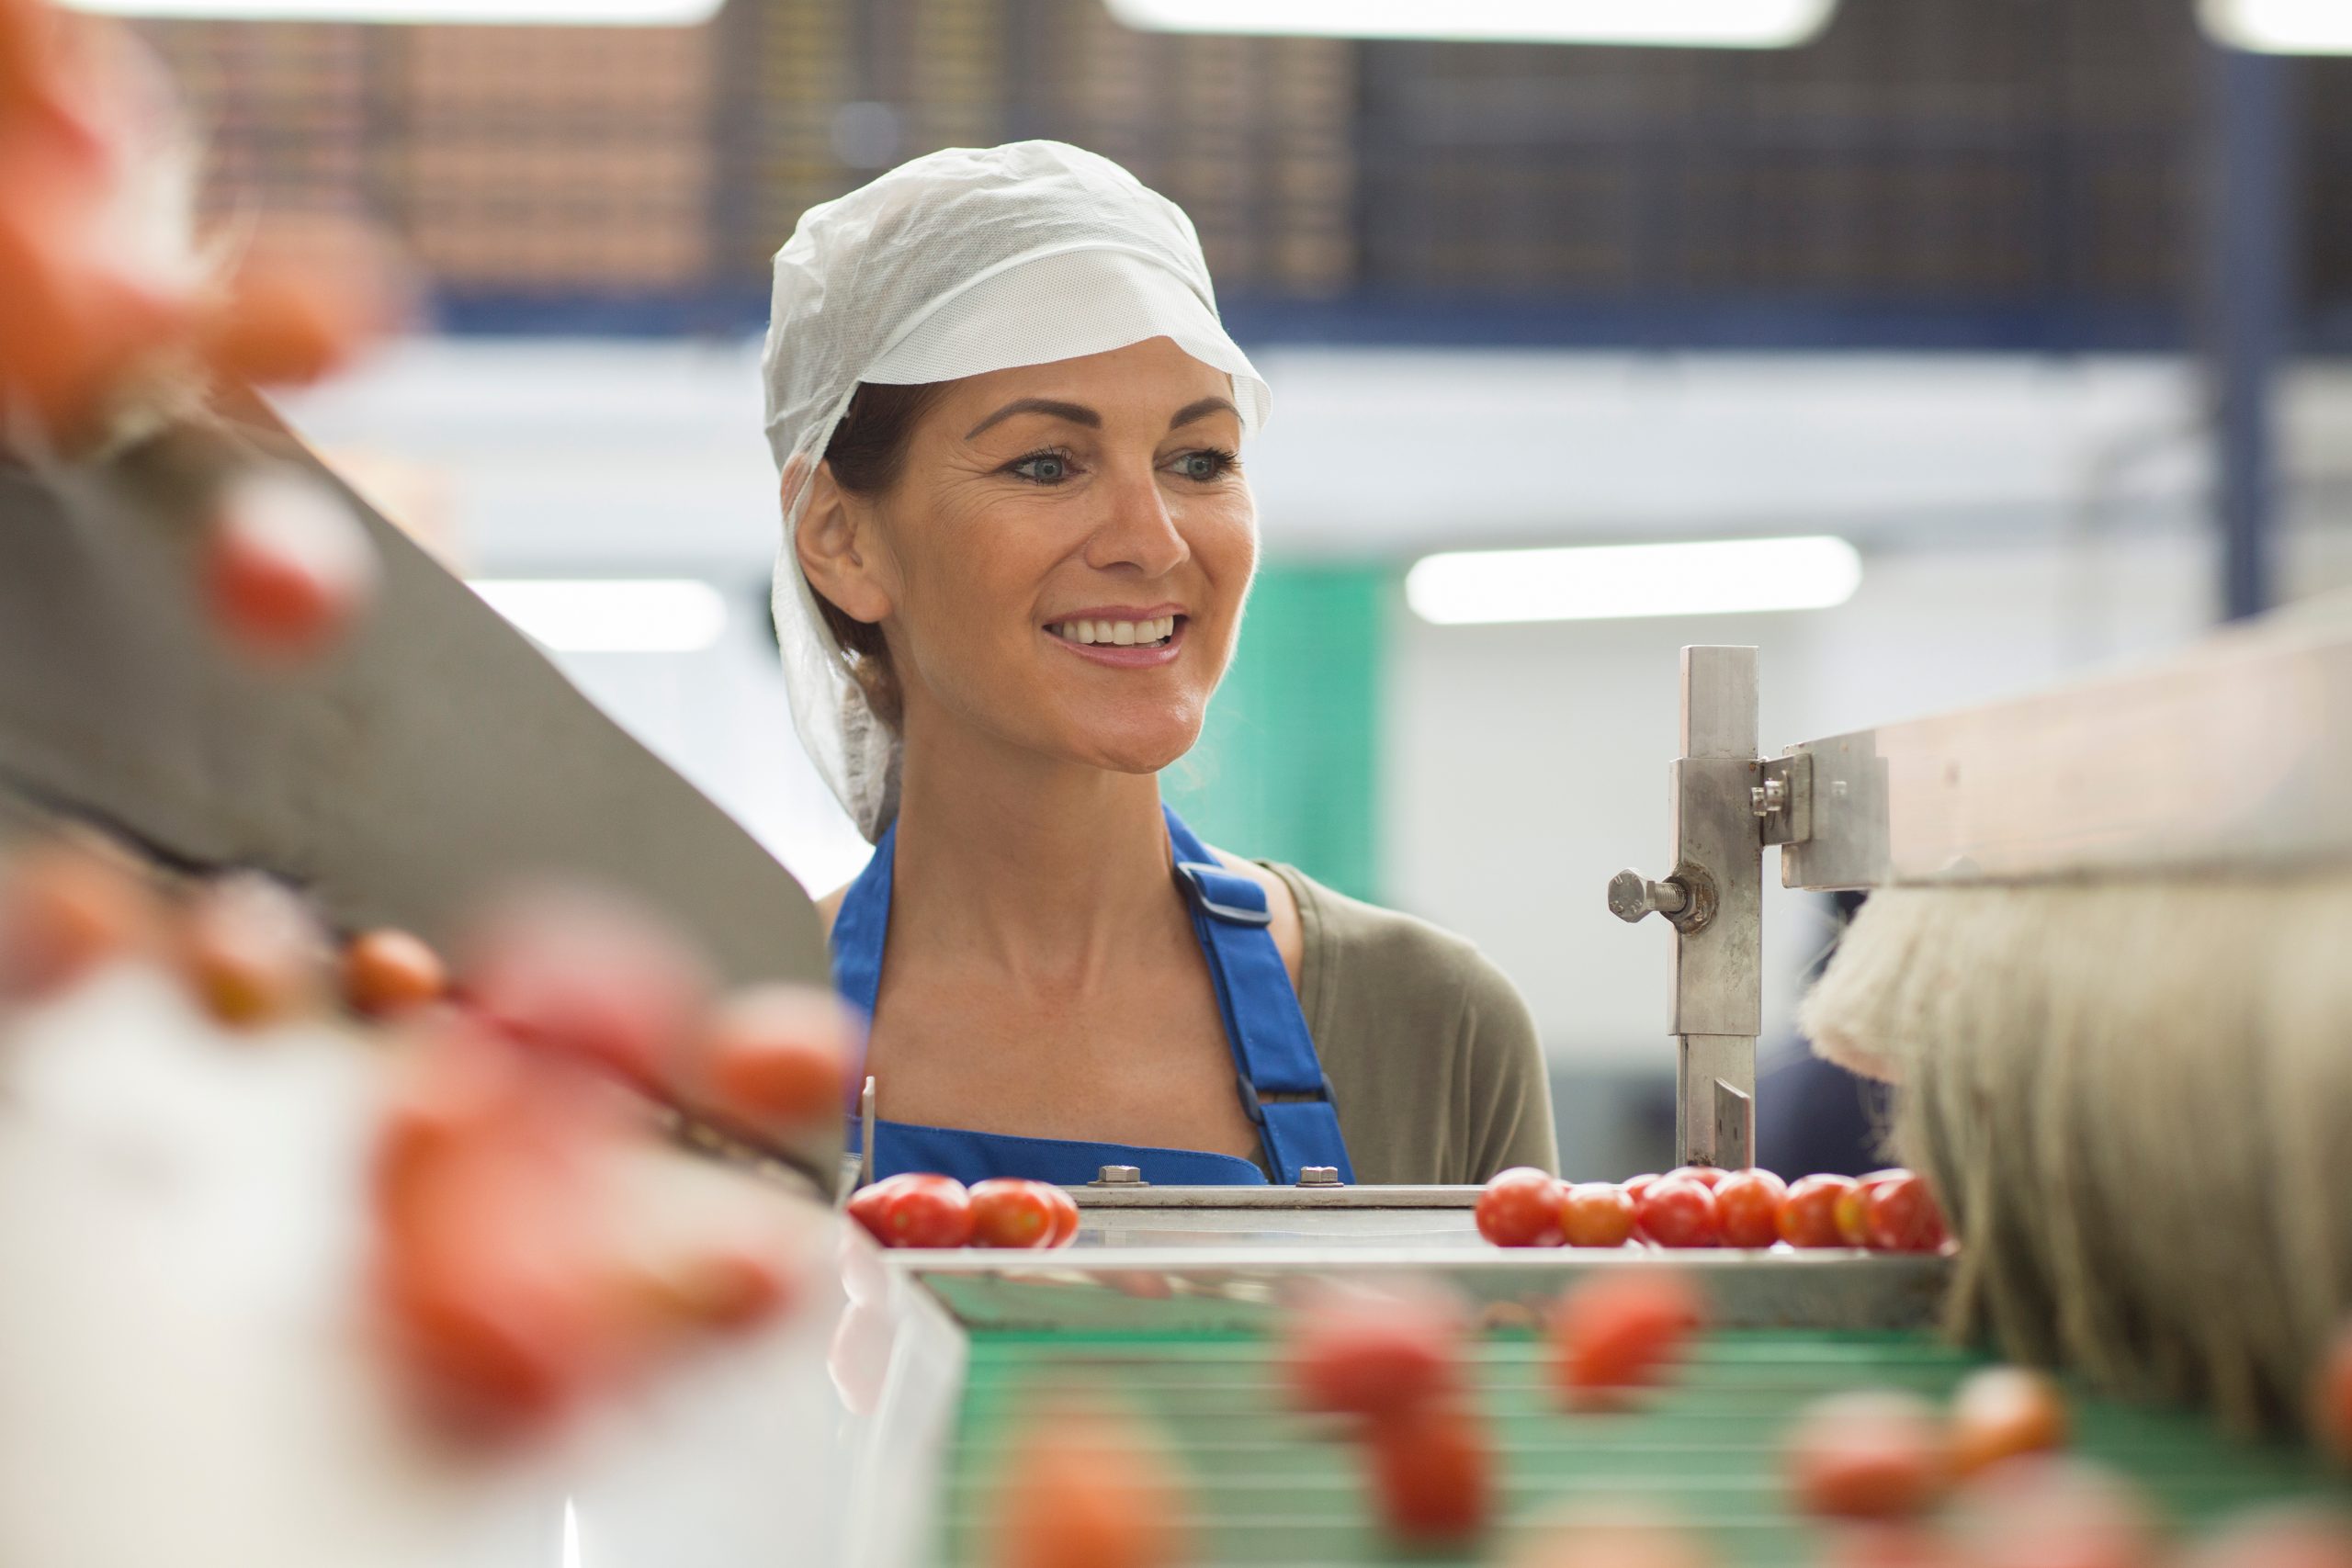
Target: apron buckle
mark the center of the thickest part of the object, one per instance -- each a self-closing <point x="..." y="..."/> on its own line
<point x="1254" y="1099"/>
<point x="1192" y="877"/>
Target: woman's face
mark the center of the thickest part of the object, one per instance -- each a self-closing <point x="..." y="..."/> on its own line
<point x="1066" y="552"/>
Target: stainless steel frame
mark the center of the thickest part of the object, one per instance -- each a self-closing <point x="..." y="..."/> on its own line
<point x="2229" y="756"/>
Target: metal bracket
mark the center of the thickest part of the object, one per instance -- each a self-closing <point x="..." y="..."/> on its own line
<point x="1782" y="799"/>
<point x="1726" y="805"/>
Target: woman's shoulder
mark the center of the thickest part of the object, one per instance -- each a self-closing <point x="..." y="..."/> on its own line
<point x="1387" y="949"/>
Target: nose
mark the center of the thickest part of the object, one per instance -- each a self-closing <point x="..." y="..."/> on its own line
<point x="1136" y="532"/>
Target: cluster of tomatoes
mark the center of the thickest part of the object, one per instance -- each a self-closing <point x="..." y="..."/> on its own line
<point x="915" y="1209"/>
<point x="532" y="1246"/>
<point x="1696" y="1206"/>
<point x="1391" y="1364"/>
<point x="104" y="307"/>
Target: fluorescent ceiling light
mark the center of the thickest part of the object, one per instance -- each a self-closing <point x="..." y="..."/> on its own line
<point x="2280" y="27"/>
<point x="555" y="13"/>
<point x="1620" y="581"/>
<point x="1720" y="24"/>
<point x="667" y="614"/>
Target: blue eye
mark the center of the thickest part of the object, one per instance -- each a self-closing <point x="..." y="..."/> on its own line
<point x="1205" y="466"/>
<point x="1040" y="467"/>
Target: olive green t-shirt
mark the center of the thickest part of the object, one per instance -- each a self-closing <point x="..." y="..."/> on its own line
<point x="1432" y="1053"/>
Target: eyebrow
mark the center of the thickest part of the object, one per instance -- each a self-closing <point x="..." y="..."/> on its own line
<point x="1079" y="413"/>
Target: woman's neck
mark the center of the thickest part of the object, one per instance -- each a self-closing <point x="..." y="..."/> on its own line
<point x="1048" y="873"/>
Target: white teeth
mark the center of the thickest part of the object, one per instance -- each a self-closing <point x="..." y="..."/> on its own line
<point x="1119" y="634"/>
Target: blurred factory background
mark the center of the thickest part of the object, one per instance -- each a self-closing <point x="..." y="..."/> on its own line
<point x="2032" y="302"/>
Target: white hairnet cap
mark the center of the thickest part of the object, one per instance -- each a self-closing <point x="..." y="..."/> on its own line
<point x="960" y="263"/>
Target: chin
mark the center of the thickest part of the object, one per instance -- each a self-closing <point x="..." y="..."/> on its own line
<point x="1136" y="749"/>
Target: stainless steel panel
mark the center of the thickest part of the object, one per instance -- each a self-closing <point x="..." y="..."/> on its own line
<point x="1170" y="1290"/>
<point x="2231" y="756"/>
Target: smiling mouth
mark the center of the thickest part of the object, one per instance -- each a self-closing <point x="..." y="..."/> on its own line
<point x="1154" y="633"/>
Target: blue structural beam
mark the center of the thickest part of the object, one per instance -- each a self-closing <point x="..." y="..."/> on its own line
<point x="2249" y="305"/>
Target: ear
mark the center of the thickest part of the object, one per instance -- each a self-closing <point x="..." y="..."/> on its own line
<point x="839" y="545"/>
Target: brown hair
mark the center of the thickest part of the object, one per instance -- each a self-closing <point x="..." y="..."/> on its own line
<point x="867" y="450"/>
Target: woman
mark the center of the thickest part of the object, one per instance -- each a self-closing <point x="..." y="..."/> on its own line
<point x="1017" y="544"/>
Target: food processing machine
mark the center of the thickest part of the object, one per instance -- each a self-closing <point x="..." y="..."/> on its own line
<point x="861" y="1433"/>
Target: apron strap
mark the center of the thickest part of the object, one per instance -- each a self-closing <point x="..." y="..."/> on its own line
<point x="1283" y="1088"/>
<point x="860" y="925"/>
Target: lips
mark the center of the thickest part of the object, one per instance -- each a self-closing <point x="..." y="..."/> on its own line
<point x="1121" y="638"/>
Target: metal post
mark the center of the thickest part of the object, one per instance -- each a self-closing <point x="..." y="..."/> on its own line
<point x="1713" y="897"/>
<point x="2249" y="285"/>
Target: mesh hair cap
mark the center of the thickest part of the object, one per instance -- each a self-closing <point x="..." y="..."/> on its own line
<point x="957" y="264"/>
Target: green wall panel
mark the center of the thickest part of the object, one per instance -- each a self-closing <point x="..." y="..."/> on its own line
<point x="1287" y="767"/>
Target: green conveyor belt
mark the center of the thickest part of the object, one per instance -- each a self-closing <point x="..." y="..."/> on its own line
<point x="1270" y="1487"/>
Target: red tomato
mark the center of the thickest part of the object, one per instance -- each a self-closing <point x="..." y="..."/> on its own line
<point x="1635" y="1186"/>
<point x="2333" y="1396"/>
<point x="387" y="971"/>
<point x="778" y="1056"/>
<point x="1595" y="1213"/>
<point x="488" y="1264"/>
<point x="1678" y="1211"/>
<point x="1597" y="1536"/>
<point x="2283" y="1535"/>
<point x="1009" y="1211"/>
<point x="870" y="1205"/>
<point x="1620" y="1331"/>
<point x="1432" y="1474"/>
<point x="2048" y="1512"/>
<point x="2002" y="1412"/>
<point x="1872" y="1454"/>
<point x="723" y="1282"/>
<point x="1373" y="1354"/>
<point x="251" y="951"/>
<point x="287" y="568"/>
<point x="1902" y="1217"/>
<point x="587" y="977"/>
<point x="1521" y="1208"/>
<point x="1086" y="1490"/>
<point x="64" y="912"/>
<point x="1748" y="1206"/>
<point x="928" y="1210"/>
<point x="1809" y="1214"/>
<point x="1707" y="1176"/>
<point x="1066" y="1218"/>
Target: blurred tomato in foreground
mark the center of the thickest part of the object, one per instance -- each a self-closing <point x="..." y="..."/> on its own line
<point x="1586" y="1536"/>
<point x="251" y="951"/>
<point x="2332" y="1395"/>
<point x="1870" y="1454"/>
<point x="287" y="568"/>
<point x="2054" y="1512"/>
<point x="1432" y="1473"/>
<point x="304" y="300"/>
<point x="580" y="974"/>
<point x="1616" y="1333"/>
<point x="778" y="1055"/>
<point x="1372" y="1352"/>
<point x="2001" y="1412"/>
<point x="1086" y="1487"/>
<point x="2290" y="1535"/>
<point x="65" y="911"/>
<point x="387" y="971"/>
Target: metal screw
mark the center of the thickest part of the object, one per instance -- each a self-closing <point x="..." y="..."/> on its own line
<point x="1633" y="895"/>
<point x="1318" y="1176"/>
<point x="1771" y="797"/>
<point x="1118" y="1175"/>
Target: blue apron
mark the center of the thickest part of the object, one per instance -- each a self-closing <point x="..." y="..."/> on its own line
<point x="1280" y="1080"/>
